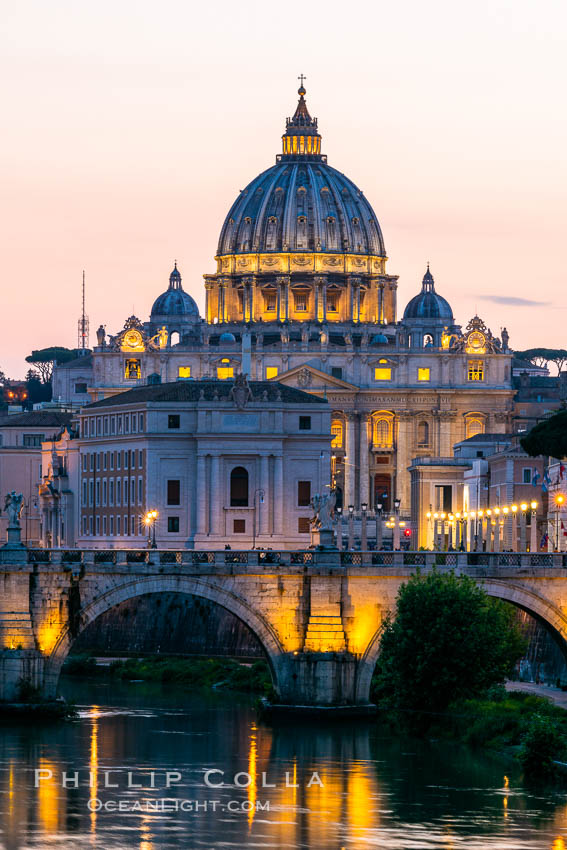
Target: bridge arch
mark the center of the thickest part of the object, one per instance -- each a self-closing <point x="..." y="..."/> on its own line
<point x="520" y="595"/>
<point x="186" y="585"/>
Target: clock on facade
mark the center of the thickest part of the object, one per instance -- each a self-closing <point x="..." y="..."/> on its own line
<point x="133" y="340"/>
<point x="476" y="342"/>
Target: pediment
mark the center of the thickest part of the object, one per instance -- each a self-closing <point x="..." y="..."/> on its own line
<point x="306" y="377"/>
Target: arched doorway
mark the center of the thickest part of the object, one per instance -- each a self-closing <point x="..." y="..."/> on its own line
<point x="383" y="491"/>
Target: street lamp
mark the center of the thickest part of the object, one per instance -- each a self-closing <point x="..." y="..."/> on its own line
<point x="351" y="527"/>
<point x="533" y="528"/>
<point x="339" y="513"/>
<point x="363" y="537"/>
<point x="150" y="520"/>
<point x="559" y="502"/>
<point x="397" y="503"/>
<point x="378" y="508"/>
<point x="262" y="494"/>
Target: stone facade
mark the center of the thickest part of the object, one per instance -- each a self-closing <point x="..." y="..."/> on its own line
<point x="220" y="469"/>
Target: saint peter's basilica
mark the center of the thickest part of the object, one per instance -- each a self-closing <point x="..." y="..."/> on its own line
<point x="301" y="295"/>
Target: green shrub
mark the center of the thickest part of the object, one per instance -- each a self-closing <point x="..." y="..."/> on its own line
<point x="543" y="744"/>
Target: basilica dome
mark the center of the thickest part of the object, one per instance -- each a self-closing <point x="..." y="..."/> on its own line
<point x="174" y="302"/>
<point x="301" y="203"/>
<point x="428" y="304"/>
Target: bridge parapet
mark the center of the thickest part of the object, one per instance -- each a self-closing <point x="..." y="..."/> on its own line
<point x="234" y="561"/>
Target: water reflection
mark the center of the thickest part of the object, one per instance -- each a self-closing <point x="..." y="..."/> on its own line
<point x="348" y="786"/>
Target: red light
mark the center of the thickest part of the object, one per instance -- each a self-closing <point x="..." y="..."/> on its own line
<point x="407" y="532"/>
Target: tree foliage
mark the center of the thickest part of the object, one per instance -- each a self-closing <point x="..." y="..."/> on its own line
<point x="37" y="390"/>
<point x="548" y="437"/>
<point x="544" y="356"/>
<point x="44" y="359"/>
<point x="542" y="746"/>
<point x="449" y="640"/>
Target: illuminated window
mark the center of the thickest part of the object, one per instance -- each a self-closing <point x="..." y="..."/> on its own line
<point x="474" y="427"/>
<point x="332" y="304"/>
<point x="132" y="370"/>
<point x="300" y="303"/>
<point x="382" y="373"/>
<point x="184" y="372"/>
<point x="270" y="303"/>
<point x="476" y="370"/>
<point x="424" y="374"/>
<point x="337" y="432"/>
<point x="225" y="371"/>
<point x="383" y="432"/>
<point x="271" y="372"/>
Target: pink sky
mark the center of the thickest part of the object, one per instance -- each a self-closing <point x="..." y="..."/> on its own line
<point x="128" y="128"/>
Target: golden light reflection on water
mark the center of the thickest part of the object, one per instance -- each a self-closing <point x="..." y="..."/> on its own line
<point x="48" y="798"/>
<point x="558" y="844"/>
<point x="252" y="768"/>
<point x="145" y="835"/>
<point x="93" y="766"/>
<point x="361" y="790"/>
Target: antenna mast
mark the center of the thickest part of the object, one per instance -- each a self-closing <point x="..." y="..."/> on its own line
<point x="83" y="326"/>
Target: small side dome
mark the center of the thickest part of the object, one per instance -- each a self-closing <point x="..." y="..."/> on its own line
<point x="227" y="337"/>
<point x="428" y="304"/>
<point x="174" y="302"/>
<point x="379" y="339"/>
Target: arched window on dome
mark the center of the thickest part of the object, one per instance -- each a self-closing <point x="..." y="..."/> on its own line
<point x="474" y="425"/>
<point x="239" y="487"/>
<point x="383" y="430"/>
<point x="272" y="233"/>
<point x="301" y="233"/>
<point x="174" y="338"/>
<point x="337" y="432"/>
<point x="428" y="341"/>
<point x="423" y="434"/>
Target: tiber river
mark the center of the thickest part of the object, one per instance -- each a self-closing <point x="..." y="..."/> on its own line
<point x="352" y="785"/>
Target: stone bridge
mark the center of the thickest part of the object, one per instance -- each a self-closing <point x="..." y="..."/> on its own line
<point x="317" y="615"/>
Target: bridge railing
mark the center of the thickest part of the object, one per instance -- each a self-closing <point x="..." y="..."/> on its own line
<point x="234" y="560"/>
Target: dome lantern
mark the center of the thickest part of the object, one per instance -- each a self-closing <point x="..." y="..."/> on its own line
<point x="301" y="137"/>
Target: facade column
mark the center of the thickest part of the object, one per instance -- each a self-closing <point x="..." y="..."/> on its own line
<point x="350" y="443"/>
<point x="316" y="300"/>
<point x="252" y="305"/>
<point x="215" y="497"/>
<point x="381" y="303"/>
<point x="202" y="500"/>
<point x="324" y="292"/>
<point x="207" y="301"/>
<point x="286" y="301"/>
<point x="220" y="298"/>
<point x="364" y="488"/>
<point x="278" y="299"/>
<point x="225" y="302"/>
<point x="278" y="495"/>
<point x="265" y="485"/>
<point x="357" y="306"/>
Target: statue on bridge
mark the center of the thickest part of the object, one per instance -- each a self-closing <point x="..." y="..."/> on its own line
<point x="324" y="508"/>
<point x="13" y="505"/>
